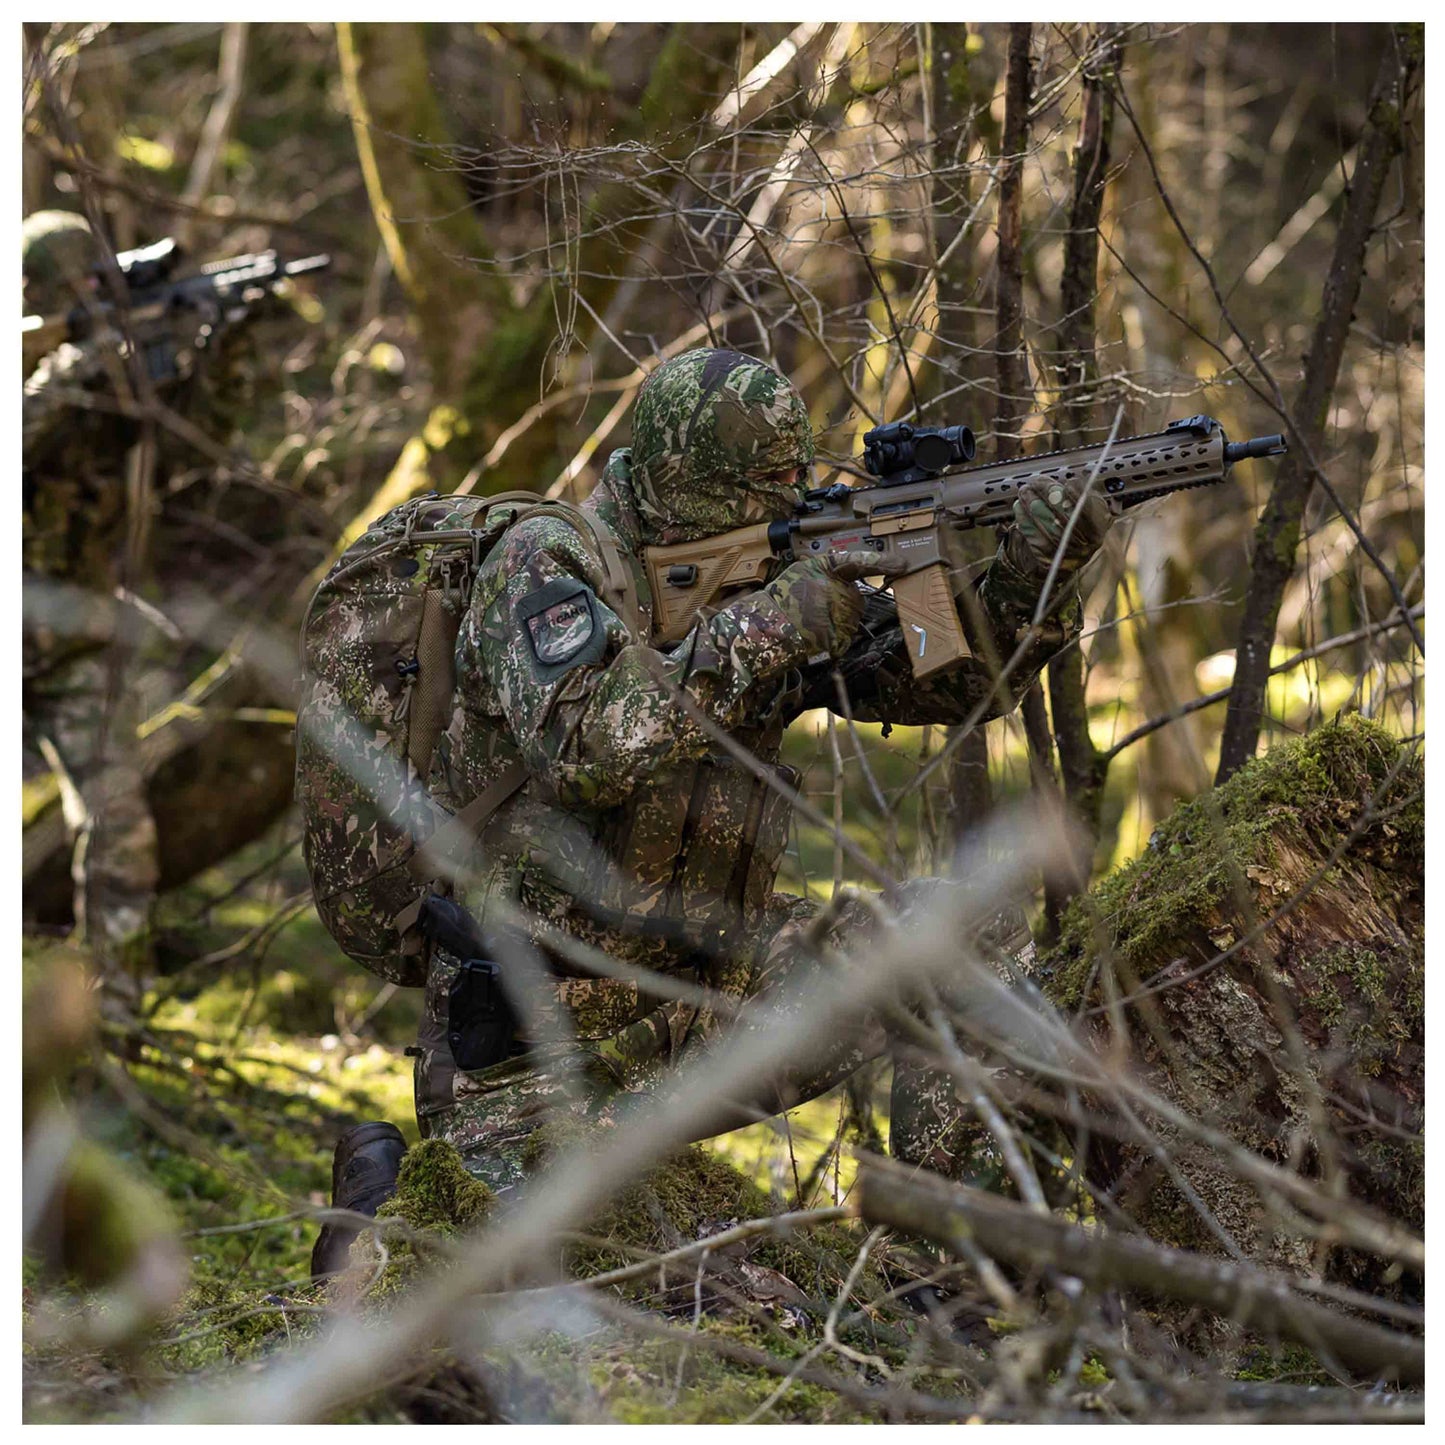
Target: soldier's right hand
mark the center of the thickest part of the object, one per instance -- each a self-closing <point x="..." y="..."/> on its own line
<point x="820" y="595"/>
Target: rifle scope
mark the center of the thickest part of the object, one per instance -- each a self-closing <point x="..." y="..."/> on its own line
<point x="146" y="266"/>
<point x="899" y="447"/>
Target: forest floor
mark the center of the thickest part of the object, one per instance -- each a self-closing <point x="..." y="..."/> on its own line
<point x="228" y="1101"/>
<point x="261" y="1043"/>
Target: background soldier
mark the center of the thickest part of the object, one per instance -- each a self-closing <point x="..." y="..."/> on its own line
<point x="95" y="651"/>
<point x="636" y="833"/>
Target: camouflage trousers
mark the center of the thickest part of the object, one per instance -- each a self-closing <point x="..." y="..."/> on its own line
<point x="501" y="1119"/>
<point x="84" y="713"/>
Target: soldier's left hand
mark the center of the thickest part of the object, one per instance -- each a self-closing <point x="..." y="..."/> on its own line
<point x="1041" y="517"/>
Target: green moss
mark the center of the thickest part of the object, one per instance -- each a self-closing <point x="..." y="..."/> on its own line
<point x="1302" y="792"/>
<point x="1285" y="1363"/>
<point x="221" y="1322"/>
<point x="434" y="1195"/>
<point x="1370" y="998"/>
<point x="697" y="1191"/>
<point x="553" y="1137"/>
<point x="434" y="1190"/>
<point x="652" y="1382"/>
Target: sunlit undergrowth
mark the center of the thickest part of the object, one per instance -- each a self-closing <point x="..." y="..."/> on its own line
<point x="230" y="1097"/>
<point x="238" y="1133"/>
<point x="228" y="1101"/>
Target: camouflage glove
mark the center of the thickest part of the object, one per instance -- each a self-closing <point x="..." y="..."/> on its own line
<point x="1041" y="515"/>
<point x="820" y="597"/>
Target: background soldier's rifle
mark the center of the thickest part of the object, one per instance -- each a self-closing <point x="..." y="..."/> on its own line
<point x="161" y="311"/>
<point x="923" y="486"/>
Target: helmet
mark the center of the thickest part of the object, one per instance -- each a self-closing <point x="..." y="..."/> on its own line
<point x="57" y="251"/>
<point x="711" y="431"/>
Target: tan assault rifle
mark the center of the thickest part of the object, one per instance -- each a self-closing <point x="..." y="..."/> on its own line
<point x="920" y="479"/>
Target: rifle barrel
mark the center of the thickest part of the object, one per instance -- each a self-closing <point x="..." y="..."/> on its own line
<point x="1270" y="446"/>
<point x="307" y="263"/>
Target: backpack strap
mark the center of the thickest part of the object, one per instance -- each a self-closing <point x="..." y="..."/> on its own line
<point x="430" y="705"/>
<point x="618" y="585"/>
<point x="619" y="588"/>
<point x="444" y="852"/>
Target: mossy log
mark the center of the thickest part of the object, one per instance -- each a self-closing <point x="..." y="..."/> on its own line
<point x="959" y="1218"/>
<point x="1261" y="966"/>
<point x="219" y="789"/>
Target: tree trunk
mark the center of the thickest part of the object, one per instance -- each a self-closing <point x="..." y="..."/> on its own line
<point x="437" y="248"/>
<point x="1083" y="766"/>
<point x="220" y="788"/>
<point x="486" y="354"/>
<point x="958" y="101"/>
<point x="1015" y="391"/>
<point x="1277" y="534"/>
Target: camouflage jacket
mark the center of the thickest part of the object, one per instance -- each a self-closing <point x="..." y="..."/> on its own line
<point x="637" y="832"/>
<point x="76" y="437"/>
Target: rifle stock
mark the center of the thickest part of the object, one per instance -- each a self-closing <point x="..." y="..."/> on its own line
<point x="692" y="576"/>
<point x="901" y="521"/>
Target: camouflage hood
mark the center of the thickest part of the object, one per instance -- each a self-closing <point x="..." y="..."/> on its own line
<point x="710" y="432"/>
<point x="57" y="251"/>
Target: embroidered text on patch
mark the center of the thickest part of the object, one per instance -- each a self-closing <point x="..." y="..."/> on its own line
<point x="562" y="631"/>
<point x="563" y="626"/>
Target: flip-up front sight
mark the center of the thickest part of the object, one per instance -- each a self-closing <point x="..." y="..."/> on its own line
<point x="899" y="452"/>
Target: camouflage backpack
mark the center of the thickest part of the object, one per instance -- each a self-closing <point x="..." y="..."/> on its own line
<point x="378" y="677"/>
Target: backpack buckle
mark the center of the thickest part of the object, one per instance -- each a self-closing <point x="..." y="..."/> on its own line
<point x="407" y="669"/>
<point x="452" y="572"/>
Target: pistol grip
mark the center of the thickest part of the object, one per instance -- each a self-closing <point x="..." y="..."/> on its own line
<point x="928" y="616"/>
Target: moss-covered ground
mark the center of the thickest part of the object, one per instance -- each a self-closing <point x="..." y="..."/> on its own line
<point x="1266" y="951"/>
<point x="249" y="1062"/>
<point x="226" y="1102"/>
<point x="1299" y="793"/>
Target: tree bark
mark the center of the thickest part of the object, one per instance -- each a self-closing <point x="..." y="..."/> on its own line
<point x="1261" y="967"/>
<point x="958" y="104"/>
<point x="1084" y="767"/>
<point x="1015" y="391"/>
<point x="1277" y="534"/>
<point x="970" y="791"/>
<point x="211" y="789"/>
<point x="431" y="234"/>
<point x="964" y="1220"/>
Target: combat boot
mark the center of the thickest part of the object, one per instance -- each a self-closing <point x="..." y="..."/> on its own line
<point x="363" y="1178"/>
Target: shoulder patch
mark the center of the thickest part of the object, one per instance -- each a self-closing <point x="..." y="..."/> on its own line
<point x="562" y="626"/>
